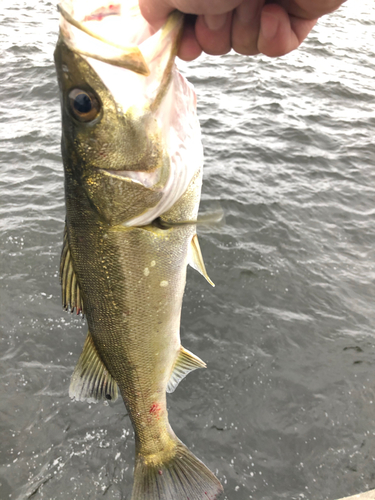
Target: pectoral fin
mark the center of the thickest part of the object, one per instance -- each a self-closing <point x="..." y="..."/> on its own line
<point x="196" y="259"/>
<point x="71" y="294"/>
<point x="185" y="363"/>
<point x="91" y="381"/>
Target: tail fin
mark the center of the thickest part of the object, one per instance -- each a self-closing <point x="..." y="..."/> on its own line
<point x="182" y="477"/>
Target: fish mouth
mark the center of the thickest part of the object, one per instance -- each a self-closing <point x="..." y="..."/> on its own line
<point x="129" y="57"/>
<point x="120" y="39"/>
<point x="92" y="35"/>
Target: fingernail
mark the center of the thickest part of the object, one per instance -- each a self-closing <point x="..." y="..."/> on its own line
<point x="268" y="25"/>
<point x="215" y="22"/>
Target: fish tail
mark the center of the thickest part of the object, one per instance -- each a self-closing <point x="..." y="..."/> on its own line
<point x="180" y="477"/>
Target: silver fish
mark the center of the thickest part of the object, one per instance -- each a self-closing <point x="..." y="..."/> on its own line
<point x="133" y="170"/>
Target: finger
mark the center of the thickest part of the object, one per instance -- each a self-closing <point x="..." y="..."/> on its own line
<point x="279" y="33"/>
<point x="156" y="11"/>
<point x="245" y="27"/>
<point x="189" y="47"/>
<point x="213" y="33"/>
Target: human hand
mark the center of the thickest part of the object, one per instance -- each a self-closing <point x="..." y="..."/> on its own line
<point x="247" y="26"/>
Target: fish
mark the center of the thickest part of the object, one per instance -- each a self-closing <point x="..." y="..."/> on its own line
<point x="132" y="155"/>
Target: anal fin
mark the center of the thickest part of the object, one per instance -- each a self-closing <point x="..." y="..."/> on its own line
<point x="185" y="363"/>
<point x="71" y="293"/>
<point x="196" y="259"/>
<point x="91" y="381"/>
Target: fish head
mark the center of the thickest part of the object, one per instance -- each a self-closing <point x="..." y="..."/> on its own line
<point x="130" y="135"/>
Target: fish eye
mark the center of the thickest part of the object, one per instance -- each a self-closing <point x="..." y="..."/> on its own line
<point x="83" y="105"/>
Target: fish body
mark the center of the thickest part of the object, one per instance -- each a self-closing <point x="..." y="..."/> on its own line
<point x="133" y="171"/>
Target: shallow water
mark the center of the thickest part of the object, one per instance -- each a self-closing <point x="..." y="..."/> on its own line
<point x="286" y="408"/>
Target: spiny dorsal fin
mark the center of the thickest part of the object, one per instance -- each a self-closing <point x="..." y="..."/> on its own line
<point x="71" y="294"/>
<point x="91" y="381"/>
<point x="185" y="363"/>
<point x="196" y="259"/>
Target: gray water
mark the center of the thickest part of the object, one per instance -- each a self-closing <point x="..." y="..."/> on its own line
<point x="286" y="408"/>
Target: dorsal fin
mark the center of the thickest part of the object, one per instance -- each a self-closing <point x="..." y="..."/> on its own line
<point x="196" y="259"/>
<point x="91" y="381"/>
<point x="185" y="363"/>
<point x="71" y="294"/>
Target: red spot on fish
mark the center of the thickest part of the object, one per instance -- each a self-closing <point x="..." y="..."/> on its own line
<point x="160" y="472"/>
<point x="155" y="410"/>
